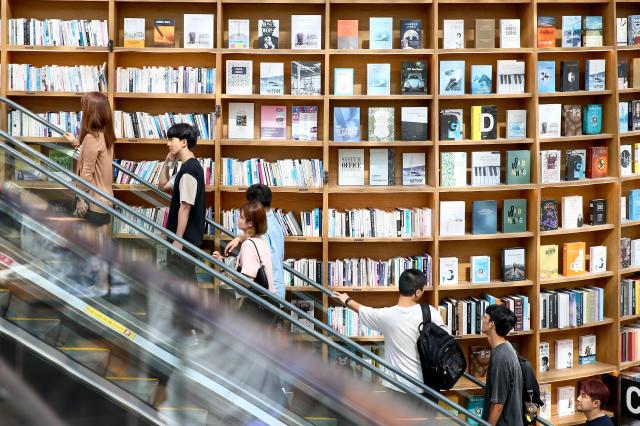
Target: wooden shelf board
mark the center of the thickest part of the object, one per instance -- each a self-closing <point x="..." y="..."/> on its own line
<point x="209" y="96"/>
<point x="575" y="93"/>
<point x="581" y="277"/>
<point x="585" y="138"/>
<point x="629" y="364"/>
<point x="630" y="134"/>
<point x="394" y="97"/>
<point x="465" y="384"/>
<point x="38" y="184"/>
<point x="261" y="142"/>
<point x="257" y="97"/>
<point x="379" y="144"/>
<point x="306" y="288"/>
<point x="273" y="189"/>
<point x="631" y="270"/>
<point x="317" y="52"/>
<point x="499" y="141"/>
<point x="484" y="336"/>
<point x="378" y="52"/>
<point x="628" y="46"/>
<point x="630" y="317"/>
<point x="379" y="240"/>
<point x="630" y="178"/>
<point x="61" y="49"/>
<point x="164" y="1"/>
<point x="577" y="372"/>
<point x="583" y="229"/>
<point x="367" y="289"/>
<point x="160" y="142"/>
<point x="167" y="50"/>
<point x="574" y="49"/>
<point x="302" y="239"/>
<point x="501" y="187"/>
<point x="582" y="182"/>
<point x="488" y="51"/>
<point x="630" y="223"/>
<point x="466" y="285"/>
<point x="41" y="139"/>
<point x="143" y="237"/>
<point x="589" y="325"/>
<point x="45" y="94"/>
<point x="487" y="96"/>
<point x="378" y="1"/>
<point x="496" y="236"/>
<point x="573" y="1"/>
<point x="367" y="339"/>
<point x="629" y="90"/>
<point x="378" y="189"/>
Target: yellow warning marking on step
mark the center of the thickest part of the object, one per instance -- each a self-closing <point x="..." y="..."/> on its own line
<point x="110" y="322"/>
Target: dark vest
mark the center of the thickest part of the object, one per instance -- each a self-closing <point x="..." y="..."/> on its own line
<point x="195" y="225"/>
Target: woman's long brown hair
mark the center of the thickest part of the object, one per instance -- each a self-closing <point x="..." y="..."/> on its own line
<point x="96" y="117"/>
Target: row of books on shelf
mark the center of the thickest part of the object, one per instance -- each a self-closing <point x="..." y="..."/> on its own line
<point x="366" y="272"/>
<point x="577" y="31"/>
<point x="376" y="223"/>
<point x="629" y="116"/>
<point x="304" y="173"/>
<point x="629" y="252"/>
<point x="564" y="352"/>
<point x="157" y="215"/>
<point x="485" y="33"/>
<point x="347" y="322"/>
<point x="571" y="307"/>
<point x="571" y="213"/>
<point x="629" y="296"/>
<point x="512" y="266"/>
<point x="150" y="126"/>
<point x="57" y="78"/>
<point x="309" y="224"/>
<point x="273" y="122"/>
<point x="484" y="217"/>
<point x="628" y="30"/>
<point x="630" y="342"/>
<point x="382" y="167"/>
<point x="594" y="76"/>
<point x="150" y="171"/>
<point x="485" y="168"/>
<point x="510" y="77"/>
<point x="306" y="78"/>
<point x="630" y="206"/>
<point x="58" y="32"/>
<point x="569" y="120"/>
<point x="20" y="124"/>
<point x="198" y="31"/>
<point x="574" y="259"/>
<point x="310" y="268"/>
<point x="166" y="80"/>
<point x="591" y="163"/>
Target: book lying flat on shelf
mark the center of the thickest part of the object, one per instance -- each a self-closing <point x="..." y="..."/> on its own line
<point x="411" y="34"/>
<point x="343" y="81"/>
<point x="453" y="169"/>
<point x="164" y="32"/>
<point x="304" y="123"/>
<point x="413" y="123"/>
<point x="451" y="78"/>
<point x="351" y="167"/>
<point x="273" y="122"/>
<point x="514" y="215"/>
<point x="382" y="167"/>
<point x="346" y="124"/>
<point x="448" y="270"/>
<point x="378" y="79"/>
<point x="238" y="33"/>
<point x="414" y="168"/>
<point x="240" y="121"/>
<point x="347" y="33"/>
<point x="381" y="124"/>
<point x="271" y="78"/>
<point x="452" y="218"/>
<point x="198" y="31"/>
<point x="268" y="33"/>
<point x="306" y="78"/>
<point x="239" y="77"/>
<point x="380" y="33"/>
<point x="134" y="32"/>
<point x="306" y="31"/>
<point x="453" y="36"/>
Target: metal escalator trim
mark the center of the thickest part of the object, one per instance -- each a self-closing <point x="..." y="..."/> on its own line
<point x="79" y="371"/>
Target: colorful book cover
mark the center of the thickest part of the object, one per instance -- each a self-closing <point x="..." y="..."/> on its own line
<point x="451" y="123"/>
<point x="546" y="76"/>
<point x="381" y="124"/>
<point x="413" y="75"/>
<point x="346" y="124"/>
<point x="134" y="32"/>
<point x="571" y="120"/>
<point x="453" y="169"/>
<point x="273" y="122"/>
<point x="597" y="162"/>
<point x="592" y="31"/>
<point x="518" y="167"/>
<point x="268" y="33"/>
<point x="514" y="215"/>
<point x="475" y="405"/>
<point x="548" y="215"/>
<point x="304" y="123"/>
<point x="571" y="31"/>
<point x="573" y="259"/>
<point x="513" y="264"/>
<point x="380" y="33"/>
<point x="451" y="78"/>
<point x="481" y="79"/>
<point x="411" y="34"/>
<point x="479" y="357"/>
<point x="592" y="119"/>
<point x="347" y="33"/>
<point x="633" y="27"/>
<point x="575" y="164"/>
<point x="548" y="261"/>
<point x="378" y="79"/>
<point x="550" y="166"/>
<point x="238" y="33"/>
<point x="164" y="32"/>
<point x="623" y="116"/>
<point x="546" y="31"/>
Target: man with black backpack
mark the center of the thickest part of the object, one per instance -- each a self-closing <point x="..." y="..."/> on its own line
<point x="399" y="324"/>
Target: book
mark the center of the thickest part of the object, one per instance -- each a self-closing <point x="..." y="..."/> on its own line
<point x="633" y="28"/>
<point x="414" y="168"/>
<point x="475" y="405"/>
<point x="575" y="164"/>
<point x="621" y="31"/>
<point x="381" y="124"/>
<point x="518" y="170"/>
<point x="571" y="31"/>
<point x="564" y="354"/>
<point x="343" y="81"/>
<point x="595" y="75"/>
<point x="348" y="34"/>
<point x="573" y="259"/>
<point x="484" y="217"/>
<point x="626" y="165"/>
<point x="592" y="31"/>
<point x="134" y="32"/>
<point x="516" y="127"/>
<point x="548" y="215"/>
<point x="546" y="76"/>
<point x="238" y="33"/>
<point x="510" y="76"/>
<point x="571" y="120"/>
<point x="378" y="79"/>
<point x="240" y="121"/>
<point x="273" y="122"/>
<point x="380" y="33"/>
<point x="543" y="356"/>
<point x="550" y="166"/>
<point x="546" y="31"/>
<point x="634" y="114"/>
<point x="570" y="71"/>
<point x="549" y="118"/>
<point x="413" y="123"/>
<point x="451" y="124"/>
<point x="592" y="119"/>
<point x="597" y="162"/>
<point x="635" y="253"/>
<point x="453" y="169"/>
<point x="453" y="35"/>
<point x="545" y="397"/>
<point x="271" y="78"/>
<point x="306" y="31"/>
<point x="480" y="269"/>
<point x="597" y="212"/>
<point x="566" y="400"/>
<point x="597" y="259"/>
<point x="382" y="167"/>
<point x="351" y="167"/>
<point x="452" y="218"/>
<point x="572" y="213"/>
<point x="509" y="33"/>
<point x="587" y="349"/>
<point x="481" y="79"/>
<point x="513" y="264"/>
<point x="548" y="261"/>
<point x="304" y="123"/>
<point x="625" y="252"/>
<point x="623" y="209"/>
<point x="484" y="122"/>
<point x="485" y="168"/>
<point x="308" y="308"/>
<point x="239" y="77"/>
<point x="448" y="270"/>
<point x="623" y="117"/>
<point x="306" y="78"/>
<point x="451" y="78"/>
<point x="514" y="215"/>
<point x="198" y="33"/>
<point x="63" y="157"/>
<point x="268" y="33"/>
<point x="623" y="73"/>
<point x="413" y="76"/>
<point x="346" y="124"/>
<point x="411" y="33"/>
<point x="164" y="32"/>
<point x="479" y="357"/>
<point x="485" y="34"/>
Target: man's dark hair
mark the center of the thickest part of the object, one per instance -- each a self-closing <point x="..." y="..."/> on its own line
<point x="260" y="194"/>
<point x="503" y="318"/>
<point x="411" y="280"/>
<point x="184" y="131"/>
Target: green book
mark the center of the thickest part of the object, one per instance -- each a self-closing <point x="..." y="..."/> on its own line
<point x="475" y="404"/>
<point x="518" y="167"/>
<point x="514" y="215"/>
<point x="64" y="157"/>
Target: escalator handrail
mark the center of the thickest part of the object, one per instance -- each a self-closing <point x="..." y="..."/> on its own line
<point x="254" y="297"/>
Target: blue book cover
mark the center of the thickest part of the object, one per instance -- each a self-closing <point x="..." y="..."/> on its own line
<point x="381" y="33"/>
<point x="378" y="79"/>
<point x="546" y="76"/>
<point x="346" y="124"/>
<point x="481" y="79"/>
<point x="480" y="269"/>
<point x="452" y="78"/>
<point x="634" y="204"/>
<point x="592" y="119"/>
<point x="485" y="217"/>
<point x="571" y="31"/>
<point x="595" y="75"/>
<point x="623" y="113"/>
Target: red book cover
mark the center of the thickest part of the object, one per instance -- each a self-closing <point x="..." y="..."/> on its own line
<point x="597" y="162"/>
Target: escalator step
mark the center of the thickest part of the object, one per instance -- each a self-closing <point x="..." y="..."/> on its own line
<point x="5" y="297"/>
<point x="45" y="329"/>
<point x="145" y="388"/>
<point x="33" y="309"/>
<point x="95" y="359"/>
<point x="192" y="416"/>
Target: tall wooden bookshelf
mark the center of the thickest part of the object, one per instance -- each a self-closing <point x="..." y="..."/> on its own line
<point x="432" y="13"/>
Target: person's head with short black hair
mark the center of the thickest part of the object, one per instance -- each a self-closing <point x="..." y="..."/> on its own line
<point x="502" y="317"/>
<point x="593" y="395"/>
<point x="183" y="131"/>
<point x="260" y="194"/>
<point x="412" y="281"/>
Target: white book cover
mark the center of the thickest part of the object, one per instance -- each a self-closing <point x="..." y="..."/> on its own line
<point x="544" y="356"/>
<point x="448" y="270"/>
<point x="351" y="167"/>
<point x="452" y="218"/>
<point x="198" y="33"/>
<point x="306" y="32"/>
<point x="134" y="32"/>
<point x="485" y="168"/>
<point x="343" y="81"/>
<point x="307" y="307"/>
<point x="378" y="167"/>
<point x="378" y="79"/>
<point x="241" y="124"/>
<point x="621" y="31"/>
<point x="564" y="353"/>
<point x="453" y="169"/>
<point x="516" y="124"/>
<point x="545" y="397"/>
<point x="635" y="253"/>
<point x="572" y="212"/>
<point x="414" y="168"/>
<point x="510" y="33"/>
<point x="550" y="117"/>
<point x="238" y="33"/>
<point x="626" y="165"/>
<point x="597" y="258"/>
<point x="453" y="34"/>
<point x="587" y="349"/>
<point x="239" y="77"/>
<point x="623" y="209"/>
<point x="566" y="400"/>
<point x="268" y="33"/>
<point x="510" y="76"/>
<point x="271" y="78"/>
<point x="550" y="166"/>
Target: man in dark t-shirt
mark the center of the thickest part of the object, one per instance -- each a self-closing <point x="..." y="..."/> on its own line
<point x="503" y="393"/>
<point x="592" y="398"/>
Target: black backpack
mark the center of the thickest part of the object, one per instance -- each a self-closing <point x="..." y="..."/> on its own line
<point x="530" y="392"/>
<point x="441" y="357"/>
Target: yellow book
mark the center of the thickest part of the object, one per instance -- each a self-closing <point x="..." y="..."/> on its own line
<point x="134" y="32"/>
<point x="549" y="261"/>
<point x="637" y="289"/>
<point x="636" y="158"/>
<point x="476" y="114"/>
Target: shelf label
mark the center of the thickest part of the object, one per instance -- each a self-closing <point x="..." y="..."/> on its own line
<point x="29" y="93"/>
<point x="132" y="140"/>
<point x="302" y="239"/>
<point x="356" y="289"/>
<point x="303" y="189"/>
<point x="79" y="94"/>
<point x="358" y="240"/>
<point x="29" y="47"/>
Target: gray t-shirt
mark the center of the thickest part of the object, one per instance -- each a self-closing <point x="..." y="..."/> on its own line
<point x="504" y="385"/>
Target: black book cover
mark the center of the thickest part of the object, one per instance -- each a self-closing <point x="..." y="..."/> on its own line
<point x="574" y="169"/>
<point x="598" y="212"/>
<point x="492" y="133"/>
<point x="268" y="37"/>
<point x="634" y="116"/>
<point x="413" y="76"/>
<point x="548" y="215"/>
<point x="450" y="124"/>
<point x="623" y="73"/>
<point x="413" y="131"/>
<point x="570" y="76"/>
<point x="411" y="33"/>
